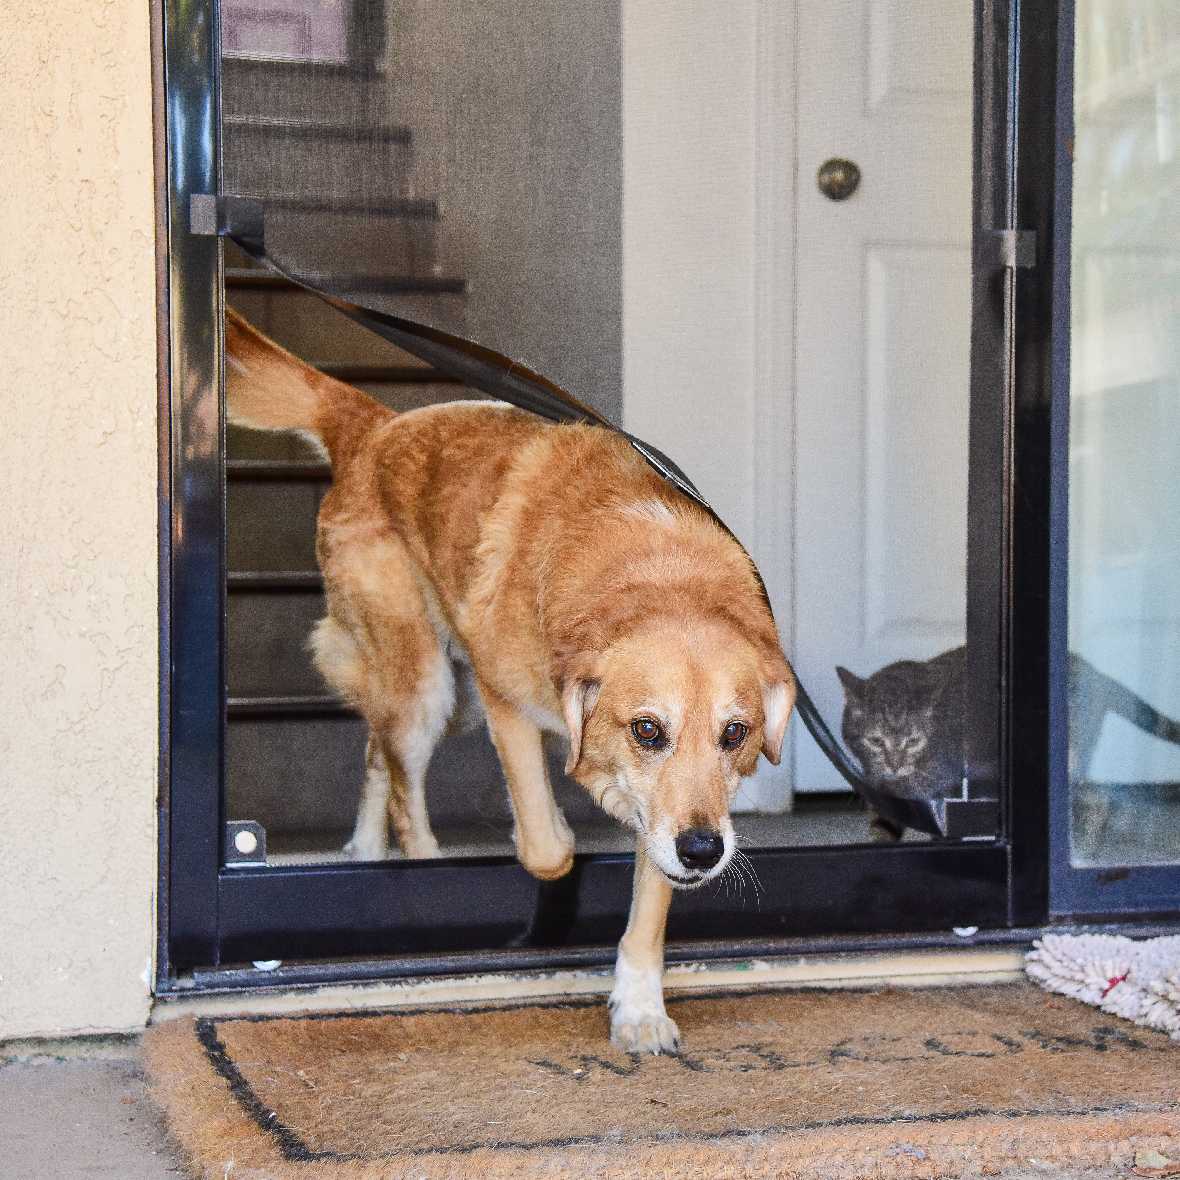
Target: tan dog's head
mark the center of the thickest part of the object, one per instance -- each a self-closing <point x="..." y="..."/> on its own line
<point x="663" y="725"/>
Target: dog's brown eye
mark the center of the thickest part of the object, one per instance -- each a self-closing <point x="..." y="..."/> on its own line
<point x="733" y="735"/>
<point x="648" y="733"/>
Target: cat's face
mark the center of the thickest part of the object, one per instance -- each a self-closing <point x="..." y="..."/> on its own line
<point x="888" y="723"/>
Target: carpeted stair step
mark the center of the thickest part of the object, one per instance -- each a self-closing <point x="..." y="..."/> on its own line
<point x="301" y="322"/>
<point x="368" y="234"/>
<point x="336" y="132"/>
<point x="357" y="283"/>
<point x="266" y="637"/>
<point x="302" y="774"/>
<point x="325" y="160"/>
<point x="281" y="89"/>
<point x="272" y="524"/>
<point x="295" y="765"/>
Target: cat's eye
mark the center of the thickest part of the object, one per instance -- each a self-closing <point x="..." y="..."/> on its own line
<point x="648" y="733"/>
<point x="733" y="735"/>
<point x="914" y="744"/>
<point x="875" y="743"/>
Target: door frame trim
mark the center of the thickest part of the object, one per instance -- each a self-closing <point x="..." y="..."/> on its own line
<point x="775" y="199"/>
<point x="193" y="590"/>
<point x="212" y="913"/>
<point x="989" y="489"/>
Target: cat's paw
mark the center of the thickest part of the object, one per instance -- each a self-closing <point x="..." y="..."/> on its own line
<point x="883" y="831"/>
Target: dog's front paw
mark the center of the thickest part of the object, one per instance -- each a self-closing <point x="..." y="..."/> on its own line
<point x="638" y="1020"/>
<point x="653" y="1032"/>
<point x="546" y="855"/>
<point x="366" y="847"/>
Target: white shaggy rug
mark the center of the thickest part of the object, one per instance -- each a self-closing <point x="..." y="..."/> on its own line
<point x="1137" y="980"/>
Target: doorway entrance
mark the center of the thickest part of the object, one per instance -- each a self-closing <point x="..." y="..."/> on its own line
<point x="597" y="197"/>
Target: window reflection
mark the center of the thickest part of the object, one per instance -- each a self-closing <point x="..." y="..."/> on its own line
<point x="1124" y="550"/>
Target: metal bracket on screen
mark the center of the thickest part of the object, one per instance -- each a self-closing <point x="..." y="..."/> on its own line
<point x="245" y="844"/>
<point x="971" y="819"/>
<point x="211" y="215"/>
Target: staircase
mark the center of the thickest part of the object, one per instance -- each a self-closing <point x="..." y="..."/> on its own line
<point x="341" y="207"/>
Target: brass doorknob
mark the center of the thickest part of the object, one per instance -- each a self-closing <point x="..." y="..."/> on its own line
<point x="838" y="179"/>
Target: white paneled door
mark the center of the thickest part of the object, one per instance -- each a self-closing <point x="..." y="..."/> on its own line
<point x="882" y="342"/>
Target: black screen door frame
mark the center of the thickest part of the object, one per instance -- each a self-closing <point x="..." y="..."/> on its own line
<point x="355" y="921"/>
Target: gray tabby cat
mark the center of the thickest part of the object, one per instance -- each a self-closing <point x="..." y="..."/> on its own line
<point x="904" y="723"/>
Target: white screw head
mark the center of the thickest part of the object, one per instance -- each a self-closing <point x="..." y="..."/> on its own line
<point x="246" y="842"/>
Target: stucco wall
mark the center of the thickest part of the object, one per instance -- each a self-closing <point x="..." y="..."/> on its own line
<point x="78" y="681"/>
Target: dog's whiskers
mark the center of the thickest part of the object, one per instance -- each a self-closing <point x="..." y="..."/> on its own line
<point x="741" y="870"/>
<point x="752" y="873"/>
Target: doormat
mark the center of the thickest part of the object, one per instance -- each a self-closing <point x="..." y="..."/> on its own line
<point x="836" y="1085"/>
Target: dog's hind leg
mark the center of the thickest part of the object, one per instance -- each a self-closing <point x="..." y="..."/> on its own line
<point x="394" y="792"/>
<point x="370" y="833"/>
<point x="380" y="649"/>
<point x="544" y="842"/>
<point x="407" y="744"/>
<point x="343" y="664"/>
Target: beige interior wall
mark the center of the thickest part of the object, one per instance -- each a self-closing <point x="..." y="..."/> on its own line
<point x="708" y="113"/>
<point x="689" y="173"/>
<point x="78" y="624"/>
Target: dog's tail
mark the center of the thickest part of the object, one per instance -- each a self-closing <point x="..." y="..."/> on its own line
<point x="270" y="389"/>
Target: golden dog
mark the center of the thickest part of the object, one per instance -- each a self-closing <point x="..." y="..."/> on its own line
<point x="582" y="594"/>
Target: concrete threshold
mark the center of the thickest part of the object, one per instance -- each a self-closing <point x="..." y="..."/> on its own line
<point x="917" y="968"/>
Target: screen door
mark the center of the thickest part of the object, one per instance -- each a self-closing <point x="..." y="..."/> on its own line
<point x="759" y="236"/>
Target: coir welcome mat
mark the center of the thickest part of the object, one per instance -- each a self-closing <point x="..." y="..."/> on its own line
<point x="835" y="1084"/>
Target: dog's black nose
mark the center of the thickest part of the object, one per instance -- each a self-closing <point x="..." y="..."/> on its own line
<point x="699" y="848"/>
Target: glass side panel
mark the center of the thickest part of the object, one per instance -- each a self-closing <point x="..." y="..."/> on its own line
<point x="1124" y="446"/>
<point x="764" y="273"/>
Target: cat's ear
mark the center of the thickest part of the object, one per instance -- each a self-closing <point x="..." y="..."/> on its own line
<point x="852" y="684"/>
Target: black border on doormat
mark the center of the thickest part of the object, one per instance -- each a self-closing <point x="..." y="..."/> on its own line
<point x="293" y="1148"/>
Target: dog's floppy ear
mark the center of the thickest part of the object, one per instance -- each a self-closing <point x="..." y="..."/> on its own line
<point x="579" y="694"/>
<point x="778" y="699"/>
